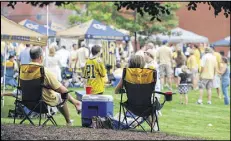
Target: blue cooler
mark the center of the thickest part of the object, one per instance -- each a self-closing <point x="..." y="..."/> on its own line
<point x="80" y="94"/>
<point x="96" y="105"/>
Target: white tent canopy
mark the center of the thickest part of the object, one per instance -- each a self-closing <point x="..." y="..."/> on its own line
<point x="179" y="35"/>
<point x="11" y="31"/>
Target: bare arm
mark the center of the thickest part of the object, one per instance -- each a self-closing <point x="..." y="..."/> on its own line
<point x="222" y="69"/>
<point x="178" y="82"/>
<point x="119" y="86"/>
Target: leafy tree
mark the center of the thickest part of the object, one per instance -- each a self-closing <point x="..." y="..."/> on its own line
<point x="148" y="13"/>
<point x="103" y="11"/>
<point x="152" y="8"/>
<point x="155" y="10"/>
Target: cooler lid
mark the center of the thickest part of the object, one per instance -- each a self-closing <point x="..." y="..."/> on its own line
<point x="97" y="98"/>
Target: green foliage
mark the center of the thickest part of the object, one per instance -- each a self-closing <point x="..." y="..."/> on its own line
<point x="106" y="12"/>
<point x="218" y="6"/>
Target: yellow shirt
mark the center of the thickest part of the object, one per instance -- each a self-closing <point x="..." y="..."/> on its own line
<point x="164" y="55"/>
<point x="209" y="67"/>
<point x="49" y="95"/>
<point x="198" y="57"/>
<point x="95" y="73"/>
<point x="192" y="62"/>
<point x="73" y="59"/>
<point x="218" y="57"/>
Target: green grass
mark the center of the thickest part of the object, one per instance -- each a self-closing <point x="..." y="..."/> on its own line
<point x="183" y="120"/>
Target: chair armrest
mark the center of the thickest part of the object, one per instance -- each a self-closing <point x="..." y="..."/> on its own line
<point x="163" y="93"/>
<point x="68" y="92"/>
<point x="122" y="91"/>
<point x="64" y="95"/>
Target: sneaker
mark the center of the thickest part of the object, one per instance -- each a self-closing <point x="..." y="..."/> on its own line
<point x="70" y="123"/>
<point x="209" y="102"/>
<point x="159" y="113"/>
<point x="169" y="88"/>
<point x="199" y="101"/>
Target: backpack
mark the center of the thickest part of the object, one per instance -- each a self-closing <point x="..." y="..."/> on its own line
<point x="102" y="122"/>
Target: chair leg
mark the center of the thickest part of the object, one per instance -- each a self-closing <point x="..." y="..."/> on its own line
<point x="152" y="122"/>
<point x="40" y="115"/>
<point x="26" y="116"/>
<point x="158" y="129"/>
<point x="53" y="121"/>
<point x="125" y="117"/>
<point x="15" y="110"/>
<point x="135" y="120"/>
<point x="119" y="116"/>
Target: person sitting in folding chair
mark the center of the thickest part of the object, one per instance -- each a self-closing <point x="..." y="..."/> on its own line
<point x="52" y="91"/>
<point x="139" y="85"/>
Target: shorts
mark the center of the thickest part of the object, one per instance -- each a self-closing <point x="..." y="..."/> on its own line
<point x="183" y="88"/>
<point x="205" y="83"/>
<point x="216" y="81"/>
<point x="60" y="100"/>
<point x="165" y="70"/>
<point x="194" y="73"/>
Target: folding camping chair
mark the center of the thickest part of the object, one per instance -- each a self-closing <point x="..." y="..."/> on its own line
<point x="31" y="83"/>
<point x="139" y="85"/>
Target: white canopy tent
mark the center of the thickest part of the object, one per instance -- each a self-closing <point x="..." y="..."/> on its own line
<point x="13" y="32"/>
<point x="179" y="35"/>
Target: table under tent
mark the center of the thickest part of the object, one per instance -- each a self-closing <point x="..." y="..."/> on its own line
<point x="13" y="32"/>
<point x="94" y="32"/>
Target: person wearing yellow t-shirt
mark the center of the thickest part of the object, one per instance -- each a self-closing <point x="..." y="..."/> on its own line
<point x="95" y="72"/>
<point x="73" y="63"/>
<point x="197" y="54"/>
<point x="207" y="74"/>
<point x="53" y="96"/>
<point x="193" y="67"/>
<point x="150" y="62"/>
<point x="217" y="78"/>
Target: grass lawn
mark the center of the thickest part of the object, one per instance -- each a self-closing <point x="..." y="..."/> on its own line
<point x="184" y="120"/>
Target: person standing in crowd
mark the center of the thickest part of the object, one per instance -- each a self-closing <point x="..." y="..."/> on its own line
<point x="24" y="56"/>
<point x="197" y="54"/>
<point x="207" y="74"/>
<point x="54" y="64"/>
<point x="63" y="54"/>
<point x="141" y="51"/>
<point x="217" y="78"/>
<point x="151" y="63"/>
<point x="94" y="71"/>
<point x="183" y="85"/>
<point x="225" y="79"/>
<point x="180" y="61"/>
<point x="193" y="67"/>
<point x="151" y="46"/>
<point x="73" y="62"/>
<point x="228" y="55"/>
<point x="164" y="57"/>
<point x="82" y="56"/>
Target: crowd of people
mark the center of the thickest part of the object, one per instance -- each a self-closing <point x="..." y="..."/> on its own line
<point x="194" y="67"/>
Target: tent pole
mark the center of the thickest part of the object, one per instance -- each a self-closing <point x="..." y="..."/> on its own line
<point x="4" y="75"/>
<point x="47" y="35"/>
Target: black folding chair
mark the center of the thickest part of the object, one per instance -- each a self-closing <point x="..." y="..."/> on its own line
<point x="31" y="83"/>
<point x="139" y="85"/>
